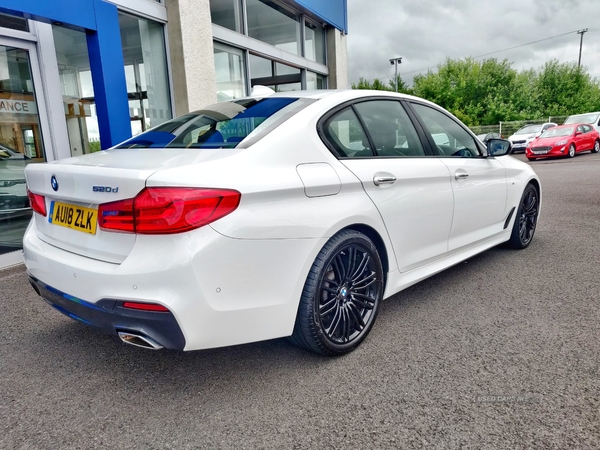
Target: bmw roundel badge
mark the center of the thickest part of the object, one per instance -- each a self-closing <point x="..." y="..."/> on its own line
<point x="54" y="183"/>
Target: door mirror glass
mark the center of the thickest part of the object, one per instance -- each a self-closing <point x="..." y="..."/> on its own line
<point x="498" y="147"/>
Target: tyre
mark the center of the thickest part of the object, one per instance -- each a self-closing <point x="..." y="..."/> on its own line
<point x="596" y="148"/>
<point x="531" y="159"/>
<point x="526" y="219"/>
<point x="571" y="150"/>
<point x="341" y="295"/>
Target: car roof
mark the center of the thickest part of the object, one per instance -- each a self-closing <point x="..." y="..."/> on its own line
<point x="569" y="125"/>
<point x="584" y="114"/>
<point x="322" y="93"/>
<point x="342" y="94"/>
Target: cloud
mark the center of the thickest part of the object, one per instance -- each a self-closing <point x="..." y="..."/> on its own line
<point x="426" y="32"/>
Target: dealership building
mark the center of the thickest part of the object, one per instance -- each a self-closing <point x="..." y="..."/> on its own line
<point x="77" y="76"/>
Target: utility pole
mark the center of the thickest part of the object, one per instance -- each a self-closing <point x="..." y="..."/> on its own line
<point x="395" y="62"/>
<point x="581" y="32"/>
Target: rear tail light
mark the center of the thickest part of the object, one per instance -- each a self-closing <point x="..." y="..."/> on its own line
<point x="167" y="210"/>
<point x="37" y="202"/>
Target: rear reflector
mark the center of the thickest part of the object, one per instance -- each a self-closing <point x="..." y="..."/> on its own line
<point x="145" y="306"/>
<point x="167" y="210"/>
<point x="37" y="202"/>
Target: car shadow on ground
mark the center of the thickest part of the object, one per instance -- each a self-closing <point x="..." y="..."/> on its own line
<point x="66" y="350"/>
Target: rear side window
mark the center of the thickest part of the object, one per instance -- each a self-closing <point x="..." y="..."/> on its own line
<point x="345" y="134"/>
<point x="391" y="130"/>
<point x="222" y="125"/>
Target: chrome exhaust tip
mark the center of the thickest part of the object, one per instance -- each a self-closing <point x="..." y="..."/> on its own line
<point x="139" y="340"/>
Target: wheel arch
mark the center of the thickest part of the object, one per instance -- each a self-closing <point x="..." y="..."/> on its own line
<point x="538" y="187"/>
<point x="536" y="184"/>
<point x="374" y="235"/>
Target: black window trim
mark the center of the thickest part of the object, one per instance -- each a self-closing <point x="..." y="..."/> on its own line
<point x="366" y="131"/>
<point x="350" y="103"/>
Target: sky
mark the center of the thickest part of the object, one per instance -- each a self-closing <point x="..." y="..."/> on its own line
<point x="426" y="32"/>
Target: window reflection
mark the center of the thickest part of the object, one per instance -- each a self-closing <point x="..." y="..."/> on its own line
<point x="314" y="42"/>
<point x="77" y="90"/>
<point x="226" y="13"/>
<point x="276" y="25"/>
<point x="20" y="143"/>
<point x="279" y="77"/>
<point x="146" y="74"/>
<point x="13" y="22"/>
<point x="229" y="68"/>
<point x="268" y="22"/>
<point x="315" y="81"/>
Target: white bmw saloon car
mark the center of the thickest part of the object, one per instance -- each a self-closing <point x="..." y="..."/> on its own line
<point x="278" y="215"/>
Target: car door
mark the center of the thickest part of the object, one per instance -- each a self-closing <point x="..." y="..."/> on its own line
<point x="589" y="137"/>
<point x="377" y="141"/>
<point x="478" y="182"/>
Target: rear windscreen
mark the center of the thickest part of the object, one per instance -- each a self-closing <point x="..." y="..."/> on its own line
<point x="222" y="125"/>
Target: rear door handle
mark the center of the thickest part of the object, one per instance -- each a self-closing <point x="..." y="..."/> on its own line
<point x="460" y="175"/>
<point x="384" y="180"/>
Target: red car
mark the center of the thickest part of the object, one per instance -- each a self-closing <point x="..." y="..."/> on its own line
<point x="564" y="140"/>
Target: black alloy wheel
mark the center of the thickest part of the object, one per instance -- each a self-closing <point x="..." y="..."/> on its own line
<point x="341" y="295"/>
<point x="526" y="219"/>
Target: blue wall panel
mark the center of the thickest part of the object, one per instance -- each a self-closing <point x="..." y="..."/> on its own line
<point x="333" y="12"/>
<point x="108" y="75"/>
<point x="79" y="13"/>
<point x="101" y="23"/>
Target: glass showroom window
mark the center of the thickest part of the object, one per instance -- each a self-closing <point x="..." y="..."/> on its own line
<point x="268" y="22"/>
<point x="77" y="90"/>
<point x="229" y="68"/>
<point x="314" y="42"/>
<point x="277" y="76"/>
<point x="315" y="81"/>
<point x="144" y="53"/>
<point x="227" y="13"/>
<point x="20" y="143"/>
<point x="13" y="22"/>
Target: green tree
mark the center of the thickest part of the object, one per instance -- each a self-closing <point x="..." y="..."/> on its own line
<point x="476" y="92"/>
<point x="564" y="89"/>
<point x="378" y="85"/>
<point x="490" y="91"/>
<point x="402" y="86"/>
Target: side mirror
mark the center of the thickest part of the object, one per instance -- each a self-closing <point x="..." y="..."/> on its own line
<point x="577" y="133"/>
<point x="498" y="147"/>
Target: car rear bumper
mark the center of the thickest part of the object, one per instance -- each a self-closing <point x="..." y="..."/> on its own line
<point x="111" y="317"/>
<point x="220" y="291"/>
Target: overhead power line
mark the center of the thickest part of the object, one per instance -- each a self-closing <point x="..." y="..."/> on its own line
<point x="503" y="50"/>
<point x="523" y="45"/>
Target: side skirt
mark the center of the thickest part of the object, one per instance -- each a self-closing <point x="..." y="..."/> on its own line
<point x="398" y="281"/>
